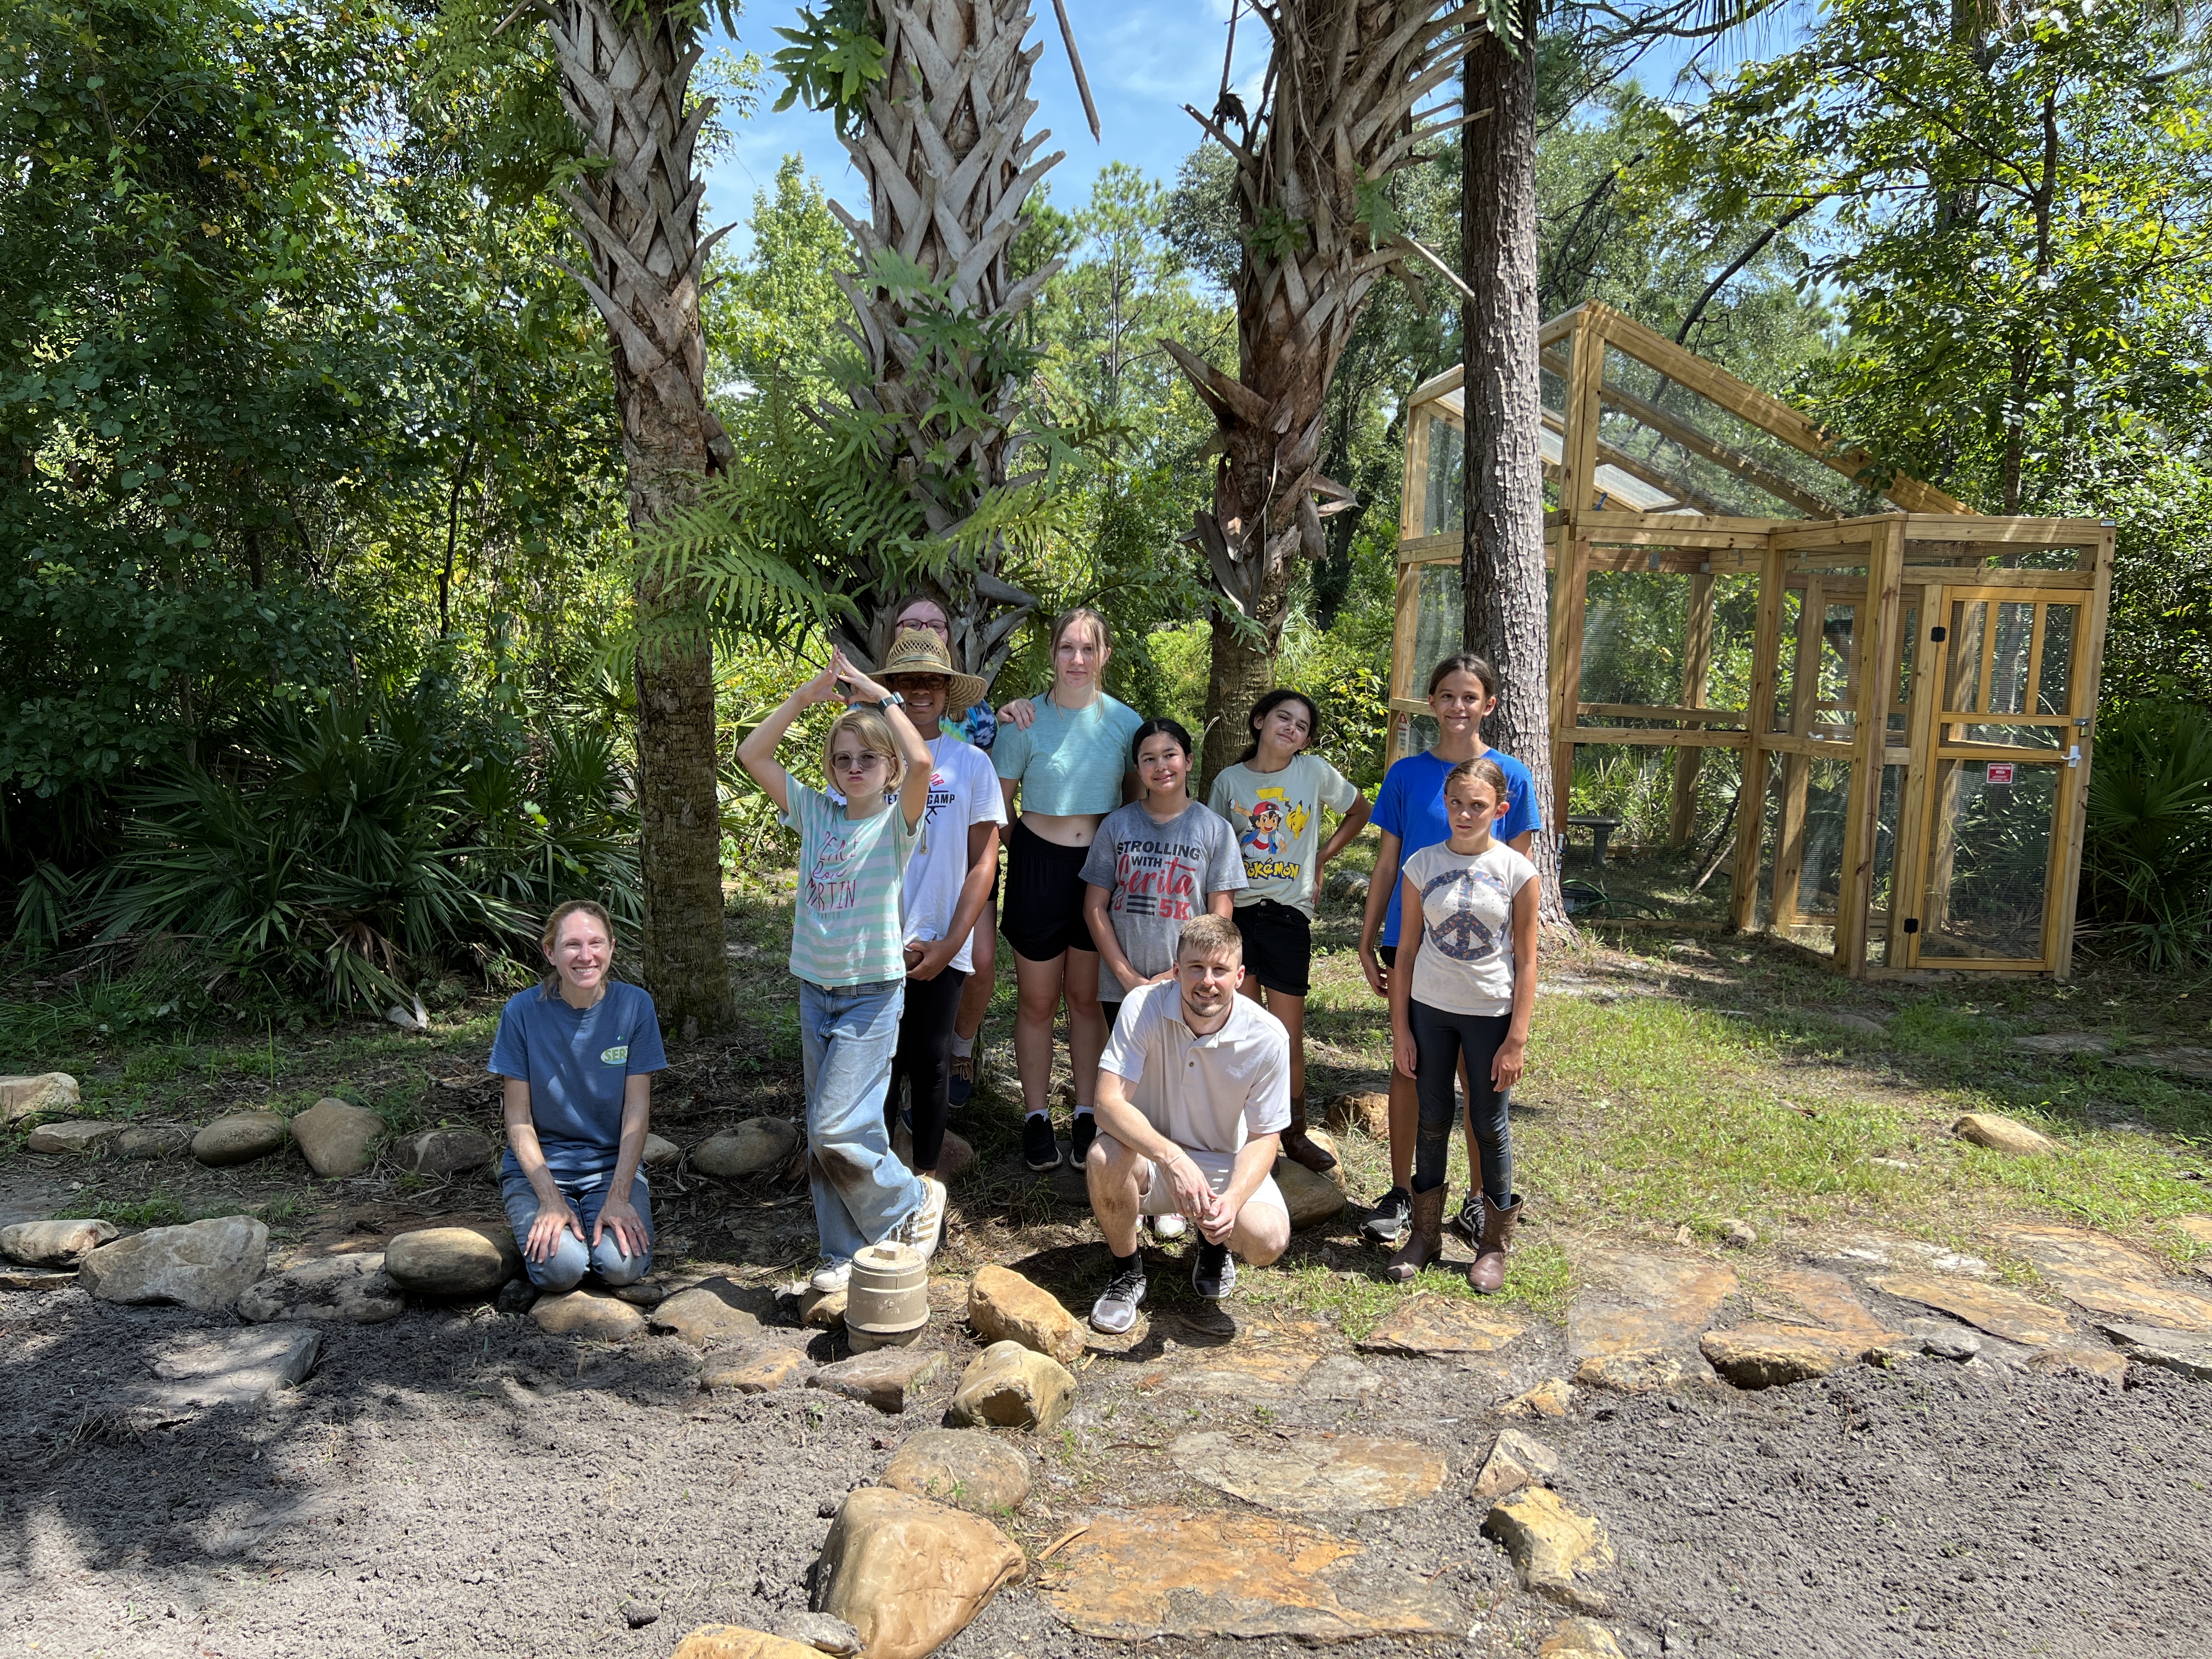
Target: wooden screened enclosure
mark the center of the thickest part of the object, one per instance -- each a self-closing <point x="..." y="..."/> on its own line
<point x="1909" y="686"/>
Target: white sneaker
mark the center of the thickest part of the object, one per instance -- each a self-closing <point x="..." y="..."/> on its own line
<point x="1169" y="1226"/>
<point x="830" y="1276"/>
<point x="924" y="1230"/>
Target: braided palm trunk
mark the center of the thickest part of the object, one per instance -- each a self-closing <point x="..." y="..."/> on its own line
<point x="1345" y="78"/>
<point x="949" y="165"/>
<point x="624" y="75"/>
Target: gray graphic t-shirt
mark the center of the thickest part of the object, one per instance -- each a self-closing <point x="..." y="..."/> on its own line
<point x="1466" y="961"/>
<point x="1159" y="875"/>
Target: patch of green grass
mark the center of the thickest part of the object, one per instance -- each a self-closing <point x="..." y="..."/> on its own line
<point x="163" y="1209"/>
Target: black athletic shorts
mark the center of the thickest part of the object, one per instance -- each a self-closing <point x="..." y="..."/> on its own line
<point x="1042" y="916"/>
<point x="1278" y="945"/>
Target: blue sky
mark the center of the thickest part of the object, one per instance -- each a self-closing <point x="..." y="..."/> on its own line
<point x="1145" y="60"/>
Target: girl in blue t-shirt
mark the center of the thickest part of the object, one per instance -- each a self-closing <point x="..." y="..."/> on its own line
<point x="1409" y="810"/>
<point x="577" y="1055"/>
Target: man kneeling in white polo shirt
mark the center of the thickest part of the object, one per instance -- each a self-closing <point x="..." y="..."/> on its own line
<point x="1193" y="1091"/>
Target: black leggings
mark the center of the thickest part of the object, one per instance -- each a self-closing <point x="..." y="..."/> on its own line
<point x="1438" y="1039"/>
<point x="923" y="1058"/>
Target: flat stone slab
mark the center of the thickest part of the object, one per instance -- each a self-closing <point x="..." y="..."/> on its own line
<point x="886" y="1379"/>
<point x="235" y="1370"/>
<point x="1883" y="1250"/>
<point x="760" y="1370"/>
<point x="2198" y="1227"/>
<point x="979" y="1472"/>
<point x="1638" y="1325"/>
<point x="1311" y="1474"/>
<point x="1763" y="1356"/>
<point x="1828" y="1302"/>
<point x="2184" y="1062"/>
<point x="73" y="1136"/>
<point x="1432" y="1324"/>
<point x="2062" y="1043"/>
<point x="2177" y="1351"/>
<point x="2103" y="1276"/>
<point x="2104" y="1364"/>
<point x="1991" y="1308"/>
<point x="1136" y="1574"/>
<point x="1263" y="1362"/>
<point x="37" y="1279"/>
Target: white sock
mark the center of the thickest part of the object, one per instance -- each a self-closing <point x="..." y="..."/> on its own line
<point x="1038" y="1111"/>
<point x="1082" y="1111"/>
<point x="962" y="1048"/>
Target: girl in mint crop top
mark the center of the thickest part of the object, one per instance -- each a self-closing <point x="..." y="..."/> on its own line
<point x="1070" y="761"/>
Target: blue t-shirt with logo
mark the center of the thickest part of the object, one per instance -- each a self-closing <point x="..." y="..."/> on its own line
<point x="1411" y="806"/>
<point x="577" y="1062"/>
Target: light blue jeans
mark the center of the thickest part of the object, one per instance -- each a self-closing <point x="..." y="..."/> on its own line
<point x="861" y="1189"/>
<point x="565" y="1268"/>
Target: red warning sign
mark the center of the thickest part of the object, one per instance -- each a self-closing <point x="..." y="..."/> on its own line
<point x="2001" y="771"/>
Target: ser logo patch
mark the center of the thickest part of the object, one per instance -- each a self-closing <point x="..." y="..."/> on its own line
<point x="615" y="1055"/>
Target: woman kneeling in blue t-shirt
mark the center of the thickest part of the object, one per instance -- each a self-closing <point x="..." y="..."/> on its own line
<point x="578" y="1053"/>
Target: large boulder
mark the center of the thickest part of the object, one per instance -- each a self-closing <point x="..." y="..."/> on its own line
<point x="458" y="1262"/>
<point x="240" y="1139"/>
<point x="75" y="1135"/>
<point x="441" y="1153"/>
<point x="1311" y="1199"/>
<point x="716" y="1311"/>
<point x="969" y="1471"/>
<point x="591" y="1314"/>
<point x="909" y="1575"/>
<point x="46" y="1093"/>
<point x="54" y="1243"/>
<point x="352" y="1289"/>
<point x="337" y="1137"/>
<point x="755" y="1145"/>
<point x="144" y="1141"/>
<point x="660" y="1154"/>
<point x="233" y="1368"/>
<point x="1015" y="1388"/>
<point x="1556" y="1548"/>
<point x="206" y="1265"/>
<point x="1005" y="1307"/>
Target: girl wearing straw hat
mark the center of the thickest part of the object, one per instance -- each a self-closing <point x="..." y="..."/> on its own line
<point x="948" y="881"/>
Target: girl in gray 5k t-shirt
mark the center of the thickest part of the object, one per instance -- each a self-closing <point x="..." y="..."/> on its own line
<point x="1155" y="863"/>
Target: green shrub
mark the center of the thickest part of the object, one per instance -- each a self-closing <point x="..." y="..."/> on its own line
<point x="345" y="848"/>
<point x="2147" y="855"/>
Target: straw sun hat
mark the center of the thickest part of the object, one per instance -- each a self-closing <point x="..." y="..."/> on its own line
<point x="918" y="651"/>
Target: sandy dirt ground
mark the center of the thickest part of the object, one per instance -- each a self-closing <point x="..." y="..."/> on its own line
<point x="459" y="1483"/>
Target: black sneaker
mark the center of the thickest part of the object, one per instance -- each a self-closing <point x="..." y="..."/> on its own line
<point x="1213" y="1272"/>
<point x="1078" y="1142"/>
<point x="1115" y="1310"/>
<point x="1467" y="1224"/>
<point x="1039" y="1150"/>
<point x="1393" y="1213"/>
<point x="962" y="1081"/>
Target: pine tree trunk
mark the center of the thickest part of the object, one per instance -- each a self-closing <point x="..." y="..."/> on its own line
<point x="624" y="78"/>
<point x="1502" y="568"/>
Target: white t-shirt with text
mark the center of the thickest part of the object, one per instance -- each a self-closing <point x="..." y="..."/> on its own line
<point x="963" y="792"/>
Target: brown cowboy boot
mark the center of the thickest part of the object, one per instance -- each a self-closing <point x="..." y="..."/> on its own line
<point x="1424" y="1240"/>
<point x="1489" y="1270"/>
<point x="1301" y="1146"/>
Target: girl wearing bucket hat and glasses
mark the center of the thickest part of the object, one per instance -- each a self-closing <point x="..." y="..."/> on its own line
<point x="948" y="882"/>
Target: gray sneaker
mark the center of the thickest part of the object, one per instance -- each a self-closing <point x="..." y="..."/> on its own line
<point x="1213" y="1272"/>
<point x="1115" y="1310"/>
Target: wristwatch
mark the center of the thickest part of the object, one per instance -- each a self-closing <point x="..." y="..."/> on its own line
<point x="891" y="699"/>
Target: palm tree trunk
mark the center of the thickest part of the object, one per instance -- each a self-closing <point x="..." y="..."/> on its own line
<point x="624" y="78"/>
<point x="1502" y="568"/>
